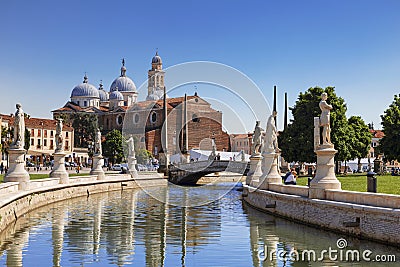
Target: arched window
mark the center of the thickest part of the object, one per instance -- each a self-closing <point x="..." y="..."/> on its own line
<point x="120" y="120"/>
<point x="153" y="117"/>
<point x="136" y="118"/>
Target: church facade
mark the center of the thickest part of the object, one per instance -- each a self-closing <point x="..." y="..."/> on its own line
<point x="120" y="109"/>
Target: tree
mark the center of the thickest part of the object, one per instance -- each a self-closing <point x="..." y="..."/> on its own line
<point x="85" y="127"/>
<point x="360" y="143"/>
<point x="389" y="145"/>
<point x="27" y="140"/>
<point x="297" y="140"/>
<point x="113" y="147"/>
<point x="142" y="155"/>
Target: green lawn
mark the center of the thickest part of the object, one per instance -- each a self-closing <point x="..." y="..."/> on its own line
<point x="386" y="183"/>
<point x="35" y="176"/>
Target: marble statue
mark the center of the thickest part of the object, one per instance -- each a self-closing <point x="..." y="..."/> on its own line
<point x="19" y="128"/>
<point x="325" y="119"/>
<point x="271" y="137"/>
<point x="97" y="143"/>
<point x="213" y="154"/>
<point x="257" y="140"/>
<point x="59" y="136"/>
<point x="131" y="146"/>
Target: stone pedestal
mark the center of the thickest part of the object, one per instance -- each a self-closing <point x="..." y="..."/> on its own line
<point x="273" y="176"/>
<point x="16" y="171"/>
<point x="132" y="167"/>
<point x="59" y="168"/>
<point x="255" y="172"/>
<point x="325" y="177"/>
<point x="97" y="169"/>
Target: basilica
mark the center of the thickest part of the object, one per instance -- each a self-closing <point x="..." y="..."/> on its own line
<point x="191" y="123"/>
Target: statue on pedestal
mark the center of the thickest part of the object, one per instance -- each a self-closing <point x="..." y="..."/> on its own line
<point x="59" y="136"/>
<point x="19" y="128"/>
<point x="325" y="119"/>
<point x="257" y="140"/>
<point x="97" y="143"/>
<point x="131" y="146"/>
<point x="271" y="137"/>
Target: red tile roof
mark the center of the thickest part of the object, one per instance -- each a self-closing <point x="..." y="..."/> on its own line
<point x="37" y="123"/>
<point x="377" y="133"/>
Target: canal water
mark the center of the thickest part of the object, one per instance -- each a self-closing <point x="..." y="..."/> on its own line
<point x="132" y="228"/>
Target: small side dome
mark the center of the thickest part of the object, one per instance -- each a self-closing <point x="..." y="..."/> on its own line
<point x="85" y="89"/>
<point x="116" y="95"/>
<point x="156" y="59"/>
<point x="152" y="97"/>
<point x="102" y="93"/>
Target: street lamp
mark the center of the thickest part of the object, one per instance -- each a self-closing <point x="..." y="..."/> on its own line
<point x="5" y="141"/>
<point x="90" y="152"/>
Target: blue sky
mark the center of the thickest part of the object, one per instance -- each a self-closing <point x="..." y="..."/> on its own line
<point x="47" y="46"/>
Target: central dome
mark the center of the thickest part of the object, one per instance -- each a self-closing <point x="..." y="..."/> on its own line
<point x="124" y="84"/>
<point x="85" y="89"/>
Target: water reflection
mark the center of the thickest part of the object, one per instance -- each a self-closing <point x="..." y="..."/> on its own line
<point x="269" y="233"/>
<point x="131" y="228"/>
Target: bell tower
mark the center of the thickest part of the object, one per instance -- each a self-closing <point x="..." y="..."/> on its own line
<point x="155" y="82"/>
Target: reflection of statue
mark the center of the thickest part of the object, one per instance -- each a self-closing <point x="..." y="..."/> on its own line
<point x="271" y="138"/>
<point x="19" y="128"/>
<point x="325" y="119"/>
<point x="97" y="143"/>
<point x="257" y="141"/>
<point x="131" y="146"/>
<point x="243" y="156"/>
<point x="59" y="136"/>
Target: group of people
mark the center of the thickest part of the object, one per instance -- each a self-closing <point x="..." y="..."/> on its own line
<point x="290" y="177"/>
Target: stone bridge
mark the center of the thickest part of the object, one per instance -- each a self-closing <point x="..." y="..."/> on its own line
<point x="190" y="173"/>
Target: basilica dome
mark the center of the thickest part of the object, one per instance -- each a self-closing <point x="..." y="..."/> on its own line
<point x="156" y="95"/>
<point x="116" y="95"/>
<point x="123" y="82"/>
<point x="85" y="89"/>
<point x="103" y="95"/>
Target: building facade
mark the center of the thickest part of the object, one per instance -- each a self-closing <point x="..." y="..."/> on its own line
<point x="241" y="142"/>
<point x="42" y="138"/>
<point x="146" y="118"/>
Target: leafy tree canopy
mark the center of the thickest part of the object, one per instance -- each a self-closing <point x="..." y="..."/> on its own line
<point x="142" y="155"/>
<point x="85" y="127"/>
<point x="113" y="147"/>
<point x="389" y="145"/>
<point x="360" y="144"/>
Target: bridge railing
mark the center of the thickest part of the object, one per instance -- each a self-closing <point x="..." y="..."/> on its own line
<point x="217" y="165"/>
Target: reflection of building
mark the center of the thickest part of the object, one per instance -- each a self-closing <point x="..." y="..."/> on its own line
<point x="42" y="137"/>
<point x="147" y="116"/>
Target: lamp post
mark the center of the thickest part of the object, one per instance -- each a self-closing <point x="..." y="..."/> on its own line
<point x="90" y="152"/>
<point x="5" y="146"/>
